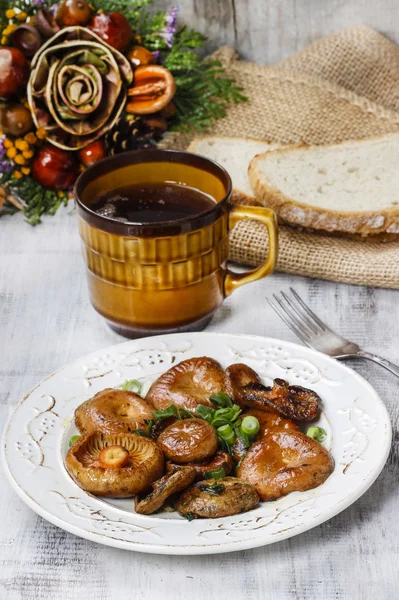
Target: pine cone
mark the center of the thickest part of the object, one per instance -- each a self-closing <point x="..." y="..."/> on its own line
<point x="131" y="135"/>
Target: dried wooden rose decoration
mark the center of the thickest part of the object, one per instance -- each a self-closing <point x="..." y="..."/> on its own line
<point x="77" y="87"/>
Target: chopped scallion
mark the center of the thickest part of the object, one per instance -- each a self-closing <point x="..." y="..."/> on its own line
<point x="215" y="474"/>
<point x="317" y="433"/>
<point x="73" y="439"/>
<point x="132" y="385"/>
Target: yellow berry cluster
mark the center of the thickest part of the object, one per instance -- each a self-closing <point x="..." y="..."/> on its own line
<point x="12" y="15"/>
<point x="21" y="151"/>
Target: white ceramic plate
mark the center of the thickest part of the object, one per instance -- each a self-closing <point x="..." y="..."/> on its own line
<point x="36" y="441"/>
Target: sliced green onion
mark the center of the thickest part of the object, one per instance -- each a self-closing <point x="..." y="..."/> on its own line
<point x="243" y="438"/>
<point x="171" y="411"/>
<point x="132" y="385"/>
<point x="73" y="439"/>
<point x="150" y="425"/>
<point x="140" y="432"/>
<point x="189" y="516"/>
<point x="221" y="400"/>
<point x="215" y="488"/>
<point x="185" y="413"/>
<point x="215" y="474"/>
<point x="317" y="433"/>
<point x="205" y="412"/>
<point x="250" y="426"/>
<point x="227" y="434"/>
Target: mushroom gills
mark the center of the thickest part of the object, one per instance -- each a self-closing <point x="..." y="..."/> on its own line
<point x="143" y="465"/>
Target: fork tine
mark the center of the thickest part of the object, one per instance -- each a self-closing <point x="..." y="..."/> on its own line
<point x="289" y="323"/>
<point x="310" y="312"/>
<point x="292" y="316"/>
<point x="314" y="327"/>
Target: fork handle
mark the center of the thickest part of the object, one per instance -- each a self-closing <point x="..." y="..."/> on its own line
<point x="379" y="360"/>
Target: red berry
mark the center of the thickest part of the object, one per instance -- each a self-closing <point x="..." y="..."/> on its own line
<point x="113" y="28"/>
<point x="14" y="71"/>
<point x="92" y="153"/>
<point x="55" y="168"/>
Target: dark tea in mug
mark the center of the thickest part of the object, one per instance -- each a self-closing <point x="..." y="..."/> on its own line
<point x="152" y="202"/>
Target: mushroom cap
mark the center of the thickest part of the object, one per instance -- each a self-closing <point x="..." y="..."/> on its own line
<point x="169" y="484"/>
<point x="219" y="460"/>
<point x="113" y="411"/>
<point x="143" y="466"/>
<point x="236" y="377"/>
<point x="284" y="462"/>
<point x="188" y="384"/>
<point x="292" y="401"/>
<point x="269" y="420"/>
<point x="238" y="496"/>
<point x="189" y="440"/>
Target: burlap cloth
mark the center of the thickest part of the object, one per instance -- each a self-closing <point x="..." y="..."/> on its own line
<point x="345" y="86"/>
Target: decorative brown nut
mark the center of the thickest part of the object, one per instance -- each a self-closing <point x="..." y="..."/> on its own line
<point x="113" y="411"/>
<point x="233" y="496"/>
<point x="140" y="56"/>
<point x="162" y="489"/>
<point x="188" y="384"/>
<point x="141" y="468"/>
<point x="187" y="441"/>
<point x="153" y="88"/>
<point x="113" y="457"/>
<point x="169" y="110"/>
<point x="284" y="462"/>
<point x="157" y="123"/>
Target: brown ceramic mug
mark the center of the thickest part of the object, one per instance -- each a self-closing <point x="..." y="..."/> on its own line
<point x="149" y="278"/>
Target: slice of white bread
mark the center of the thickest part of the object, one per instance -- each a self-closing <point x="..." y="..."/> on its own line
<point x="351" y="187"/>
<point x="234" y="154"/>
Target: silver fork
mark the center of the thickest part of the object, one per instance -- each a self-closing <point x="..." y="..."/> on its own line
<point x="316" y="334"/>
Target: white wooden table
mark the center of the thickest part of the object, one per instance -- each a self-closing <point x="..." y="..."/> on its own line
<point x="46" y="321"/>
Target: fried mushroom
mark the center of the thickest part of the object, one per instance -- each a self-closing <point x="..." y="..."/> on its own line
<point x="292" y="401"/>
<point x="219" y="460"/>
<point x="189" y="440"/>
<point x="188" y="384"/>
<point x="113" y="411"/>
<point x="236" y="377"/>
<point x="233" y="496"/>
<point x="169" y="484"/>
<point x="284" y="462"/>
<point x="90" y="463"/>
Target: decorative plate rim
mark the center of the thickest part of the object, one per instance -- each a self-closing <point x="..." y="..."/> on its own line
<point x="213" y="547"/>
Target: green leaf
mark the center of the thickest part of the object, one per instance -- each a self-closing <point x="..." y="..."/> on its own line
<point x="205" y="412"/>
<point x="317" y="433"/>
<point x="215" y="474"/>
<point x="189" y="516"/>
<point x="171" y="411"/>
<point x="140" y="432"/>
<point x="221" y="400"/>
<point x="132" y="385"/>
<point x="216" y="488"/>
<point x="73" y="439"/>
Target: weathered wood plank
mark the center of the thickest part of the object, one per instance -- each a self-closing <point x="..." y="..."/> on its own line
<point x="268" y="31"/>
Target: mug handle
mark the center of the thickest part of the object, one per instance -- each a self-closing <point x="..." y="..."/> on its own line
<point x="268" y="218"/>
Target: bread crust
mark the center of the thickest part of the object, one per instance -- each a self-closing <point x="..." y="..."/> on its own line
<point x="367" y="223"/>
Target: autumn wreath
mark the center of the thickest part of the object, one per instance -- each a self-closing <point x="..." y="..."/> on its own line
<point x="80" y="81"/>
